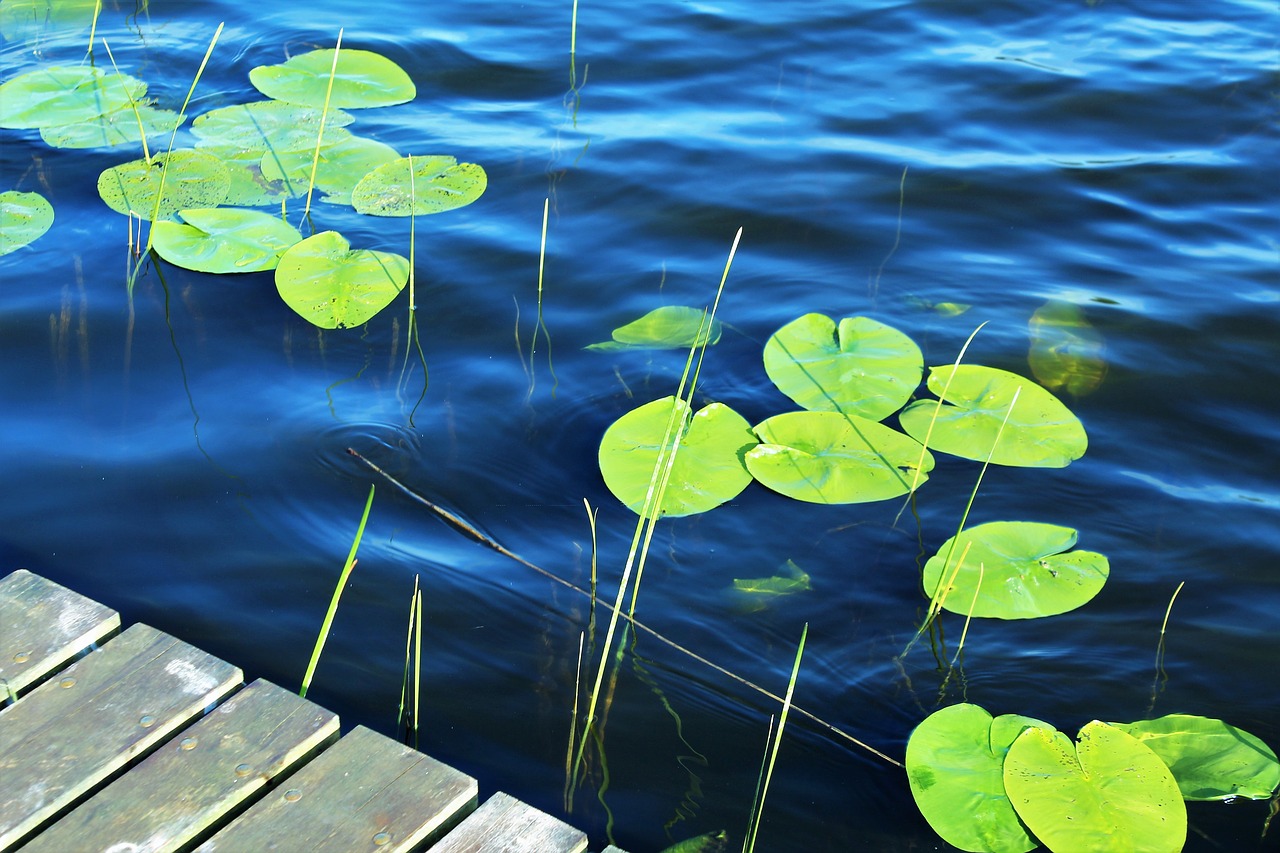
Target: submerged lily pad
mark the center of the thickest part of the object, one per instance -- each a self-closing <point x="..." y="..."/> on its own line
<point x="831" y="458"/>
<point x="362" y="79"/>
<point x="1210" y="759"/>
<point x="439" y="183"/>
<point x="955" y="760"/>
<point x="24" y="217"/>
<point x="861" y="367"/>
<point x="340" y="167"/>
<point x="194" y="179"/>
<point x="708" y="464"/>
<point x="36" y="20"/>
<point x="1041" y="432"/>
<point x="268" y="126"/>
<point x="334" y="286"/>
<point x="1066" y="351"/>
<point x="1018" y="569"/>
<point x="224" y="240"/>
<point x="116" y="128"/>
<point x="755" y="594"/>
<point x="1109" y="791"/>
<point x="668" y="327"/>
<point x="64" y="94"/>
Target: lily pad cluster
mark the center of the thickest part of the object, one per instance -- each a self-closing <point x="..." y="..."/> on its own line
<point x="1010" y="783"/>
<point x="24" y="218"/>
<point x="260" y="154"/>
<point x="847" y="377"/>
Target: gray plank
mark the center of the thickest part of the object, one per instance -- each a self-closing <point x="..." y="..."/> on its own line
<point x="71" y="734"/>
<point x="43" y="625"/>
<point x="366" y="792"/>
<point x="205" y="773"/>
<point x="506" y="825"/>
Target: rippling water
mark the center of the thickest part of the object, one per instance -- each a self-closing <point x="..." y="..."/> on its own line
<point x="181" y="455"/>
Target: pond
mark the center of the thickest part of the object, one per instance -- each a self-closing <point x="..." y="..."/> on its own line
<point x="1084" y="184"/>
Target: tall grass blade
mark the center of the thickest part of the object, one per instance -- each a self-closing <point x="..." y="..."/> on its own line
<point x="1162" y="677"/>
<point x="337" y="594"/>
<point x="324" y="114"/>
<point x="749" y="844"/>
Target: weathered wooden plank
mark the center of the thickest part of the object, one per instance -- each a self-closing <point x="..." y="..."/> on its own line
<point x="506" y="825"/>
<point x="71" y="734"/>
<point x="43" y="625"/>
<point x="612" y="849"/>
<point x="366" y="792"/>
<point x="192" y="783"/>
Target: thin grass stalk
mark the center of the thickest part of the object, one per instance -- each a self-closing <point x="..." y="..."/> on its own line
<point x="573" y="726"/>
<point x="337" y="594"/>
<point x="137" y="116"/>
<point x="749" y="844"/>
<point x="324" y="114"/>
<point x="417" y="664"/>
<point x="982" y="573"/>
<point x="408" y="650"/>
<point x="93" y="30"/>
<point x="1161" y="676"/>
<point x="764" y="765"/>
<point x="573" y="48"/>
<point x="539" y="324"/>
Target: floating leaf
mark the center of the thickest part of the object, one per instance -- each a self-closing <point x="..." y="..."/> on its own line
<point x="708" y="464"/>
<point x="1210" y="759"/>
<point x="668" y="327"/>
<point x="24" y="217"/>
<point x="1018" y="569"/>
<point x="362" y="79"/>
<point x="333" y="286"/>
<point x="193" y="180"/>
<point x="1066" y="352"/>
<point x="64" y="94"/>
<point x="827" y="457"/>
<point x="754" y="594"/>
<point x="341" y="165"/>
<point x="955" y="761"/>
<point x="1108" y="792"/>
<point x="115" y="128"/>
<point x="1040" y="433"/>
<point x="248" y="188"/>
<point x="440" y="183"/>
<point x="224" y="240"/>
<point x="861" y="367"/>
<point x="265" y="126"/>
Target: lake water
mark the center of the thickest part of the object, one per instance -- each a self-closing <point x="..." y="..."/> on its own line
<point x="181" y="454"/>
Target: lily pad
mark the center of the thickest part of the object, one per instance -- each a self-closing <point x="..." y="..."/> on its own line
<point x="112" y="129"/>
<point x="1066" y="351"/>
<point x="755" y="594"/>
<point x="668" y="327"/>
<point x="224" y="240"/>
<point x="861" y="367"/>
<point x="955" y="760"/>
<point x="1109" y="791"/>
<point x="268" y="126"/>
<point x="248" y="187"/>
<point x="341" y="165"/>
<point x="24" y="217"/>
<point x="1040" y="433"/>
<point x="362" y="79"/>
<point x="708" y="464"/>
<point x="1018" y="569"/>
<point x="1210" y="759"/>
<point x="334" y="286"/>
<point x="194" y="179"/>
<point x="440" y="183"/>
<point x="832" y="458"/>
<point x="64" y="94"/>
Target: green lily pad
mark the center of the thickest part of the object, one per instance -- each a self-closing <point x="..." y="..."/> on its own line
<point x="1040" y="433"/>
<point x="112" y="129"/>
<point x="224" y="240"/>
<point x="832" y="458"/>
<point x="335" y="287"/>
<point x="955" y="761"/>
<point x="440" y="183"/>
<point x="1066" y="350"/>
<point x="861" y="367"/>
<point x="194" y="179"/>
<point x="1107" y="792"/>
<point x="755" y="594"/>
<point x="1021" y="569"/>
<point x="1210" y="759"/>
<point x="708" y="464"/>
<point x="64" y="94"/>
<point x="265" y="126"/>
<point x="362" y="79"/>
<point x="24" y="217"/>
<point x="668" y="327"/>
<point x="248" y="187"/>
<point x="341" y="165"/>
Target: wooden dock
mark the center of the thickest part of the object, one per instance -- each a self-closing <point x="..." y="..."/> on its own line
<point x="146" y="743"/>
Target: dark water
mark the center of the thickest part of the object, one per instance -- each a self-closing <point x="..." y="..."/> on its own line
<point x="181" y="455"/>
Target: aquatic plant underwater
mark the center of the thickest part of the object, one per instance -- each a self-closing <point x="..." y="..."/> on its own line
<point x="984" y="783"/>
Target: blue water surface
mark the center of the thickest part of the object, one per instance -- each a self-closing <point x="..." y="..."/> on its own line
<point x="179" y="452"/>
